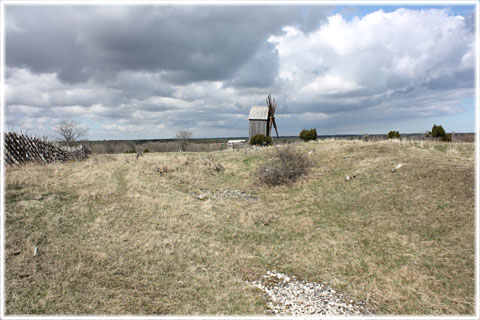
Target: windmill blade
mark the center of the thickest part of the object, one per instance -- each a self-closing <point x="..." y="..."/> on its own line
<point x="269" y="101"/>
<point x="275" y="126"/>
<point x="272" y="106"/>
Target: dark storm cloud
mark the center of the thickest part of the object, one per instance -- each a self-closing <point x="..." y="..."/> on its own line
<point x="43" y="41"/>
<point x="458" y="79"/>
<point x="194" y="43"/>
<point x="259" y="71"/>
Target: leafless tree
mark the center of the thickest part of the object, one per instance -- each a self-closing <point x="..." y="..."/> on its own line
<point x="183" y="136"/>
<point x="70" y="131"/>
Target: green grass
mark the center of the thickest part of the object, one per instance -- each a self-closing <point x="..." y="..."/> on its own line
<point x="118" y="237"/>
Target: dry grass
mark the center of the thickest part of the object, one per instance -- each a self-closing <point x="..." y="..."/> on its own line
<point x="123" y="236"/>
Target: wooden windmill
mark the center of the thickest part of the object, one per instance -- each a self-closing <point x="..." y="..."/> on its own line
<point x="262" y="118"/>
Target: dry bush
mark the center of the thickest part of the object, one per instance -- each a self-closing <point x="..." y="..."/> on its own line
<point x="163" y="170"/>
<point x="286" y="166"/>
<point x="213" y="166"/>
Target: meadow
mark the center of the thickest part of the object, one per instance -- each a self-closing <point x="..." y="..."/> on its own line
<point x="164" y="235"/>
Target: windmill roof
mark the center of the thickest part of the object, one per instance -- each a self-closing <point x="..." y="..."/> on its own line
<point x="258" y="113"/>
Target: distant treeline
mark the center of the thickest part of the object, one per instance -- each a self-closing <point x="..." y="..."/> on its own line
<point x="216" y="144"/>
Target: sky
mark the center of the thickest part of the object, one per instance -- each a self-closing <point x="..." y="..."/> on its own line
<point x="146" y="72"/>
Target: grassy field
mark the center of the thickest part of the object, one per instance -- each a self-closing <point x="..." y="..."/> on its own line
<point x="122" y="236"/>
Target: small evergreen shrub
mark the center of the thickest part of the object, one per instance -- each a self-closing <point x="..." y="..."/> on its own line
<point x="286" y="166"/>
<point x="260" y="139"/>
<point x="393" y="135"/>
<point x="307" y="135"/>
<point x="439" y="132"/>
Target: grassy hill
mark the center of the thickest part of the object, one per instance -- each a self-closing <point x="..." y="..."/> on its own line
<point x="165" y="234"/>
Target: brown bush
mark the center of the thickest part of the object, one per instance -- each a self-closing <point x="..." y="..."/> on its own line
<point x="286" y="166"/>
<point x="213" y="166"/>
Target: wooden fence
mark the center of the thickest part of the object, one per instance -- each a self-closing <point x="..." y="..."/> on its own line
<point x="20" y="148"/>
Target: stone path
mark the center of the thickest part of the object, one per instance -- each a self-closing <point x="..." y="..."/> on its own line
<point x="288" y="296"/>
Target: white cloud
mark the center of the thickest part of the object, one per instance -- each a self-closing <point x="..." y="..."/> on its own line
<point x="373" y="57"/>
<point x="71" y="110"/>
<point x="329" y="84"/>
<point x="126" y="128"/>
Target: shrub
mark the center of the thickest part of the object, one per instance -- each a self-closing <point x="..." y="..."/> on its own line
<point x="393" y="135"/>
<point x="438" y="131"/>
<point x="307" y="135"/>
<point x="260" y="139"/>
<point x="146" y="151"/>
<point x="213" y="166"/>
<point x="286" y="166"/>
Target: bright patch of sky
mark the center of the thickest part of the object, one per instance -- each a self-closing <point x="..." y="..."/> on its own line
<point x="349" y="11"/>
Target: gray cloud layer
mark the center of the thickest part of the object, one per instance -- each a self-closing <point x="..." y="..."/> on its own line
<point x="188" y="43"/>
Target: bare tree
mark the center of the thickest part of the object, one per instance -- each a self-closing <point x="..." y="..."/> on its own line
<point x="183" y="136"/>
<point x="71" y="131"/>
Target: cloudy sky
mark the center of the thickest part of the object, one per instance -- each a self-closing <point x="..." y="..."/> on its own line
<point x="145" y="72"/>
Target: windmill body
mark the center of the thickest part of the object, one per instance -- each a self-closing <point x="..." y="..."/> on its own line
<point x="258" y="119"/>
<point x="261" y="119"/>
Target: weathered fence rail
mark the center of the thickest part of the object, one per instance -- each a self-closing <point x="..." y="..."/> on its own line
<point x="20" y="148"/>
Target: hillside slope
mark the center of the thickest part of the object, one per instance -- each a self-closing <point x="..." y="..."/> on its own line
<point x="172" y="233"/>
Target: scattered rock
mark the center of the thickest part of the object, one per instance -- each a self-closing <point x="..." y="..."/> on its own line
<point x="349" y="178"/>
<point x="311" y="152"/>
<point x="237" y="194"/>
<point x="206" y="194"/>
<point x="200" y="196"/>
<point x="288" y="296"/>
<point x="398" y="166"/>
